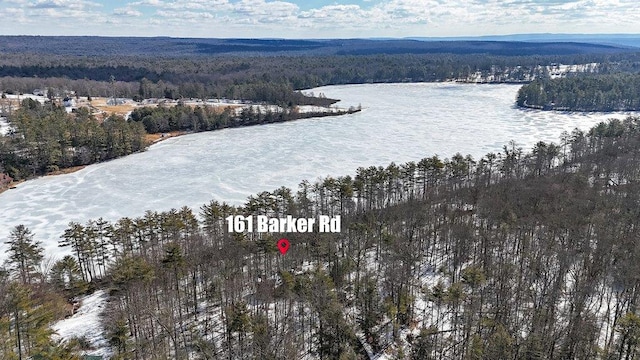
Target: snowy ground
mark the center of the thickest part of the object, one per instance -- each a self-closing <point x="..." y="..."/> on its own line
<point x="38" y="98"/>
<point x="4" y="126"/>
<point x="86" y="323"/>
<point x="318" y="109"/>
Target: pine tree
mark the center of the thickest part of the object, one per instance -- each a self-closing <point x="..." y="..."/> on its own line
<point x="66" y="276"/>
<point x="25" y="319"/>
<point x="25" y="254"/>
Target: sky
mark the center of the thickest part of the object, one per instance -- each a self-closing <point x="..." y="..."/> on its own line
<point x="316" y="18"/>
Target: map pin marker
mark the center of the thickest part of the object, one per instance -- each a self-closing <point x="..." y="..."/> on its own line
<point x="283" y="246"/>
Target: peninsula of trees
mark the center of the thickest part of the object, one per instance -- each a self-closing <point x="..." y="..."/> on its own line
<point x="45" y="138"/>
<point x="611" y="92"/>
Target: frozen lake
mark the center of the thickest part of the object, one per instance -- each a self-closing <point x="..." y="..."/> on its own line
<point x="399" y="122"/>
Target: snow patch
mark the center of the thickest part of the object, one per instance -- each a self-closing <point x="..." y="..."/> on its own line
<point x="4" y="126"/>
<point x="86" y="323"/>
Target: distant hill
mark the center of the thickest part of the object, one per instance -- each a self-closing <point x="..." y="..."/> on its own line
<point x="623" y="40"/>
<point x="170" y="47"/>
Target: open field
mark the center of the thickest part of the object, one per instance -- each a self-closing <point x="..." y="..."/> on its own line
<point x="101" y="105"/>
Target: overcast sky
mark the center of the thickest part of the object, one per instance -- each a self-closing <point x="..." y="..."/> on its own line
<point x="316" y="18"/>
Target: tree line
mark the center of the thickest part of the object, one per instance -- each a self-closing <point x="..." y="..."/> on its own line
<point x="513" y="255"/>
<point x="611" y="92"/>
<point x="257" y="78"/>
<point x="206" y="118"/>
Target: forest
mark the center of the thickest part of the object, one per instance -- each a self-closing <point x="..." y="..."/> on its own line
<point x="271" y="79"/>
<point x="200" y="47"/>
<point x="46" y="139"/>
<point x="611" y="92"/>
<point x="516" y="255"/>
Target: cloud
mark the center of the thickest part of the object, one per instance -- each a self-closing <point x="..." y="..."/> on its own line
<point x="386" y="14"/>
<point x="39" y="14"/>
<point x="225" y="11"/>
<point x="398" y="17"/>
<point x="127" y="11"/>
<point x="263" y="8"/>
<point x="47" y="5"/>
<point x="185" y="15"/>
<point x="61" y="4"/>
<point x="147" y="2"/>
<point x="415" y="17"/>
<point x="362" y="18"/>
<point x="263" y="12"/>
<point x="207" y="5"/>
<point x="15" y="14"/>
<point x="331" y="16"/>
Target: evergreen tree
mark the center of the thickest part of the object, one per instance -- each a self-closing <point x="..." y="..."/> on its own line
<point x="24" y="253"/>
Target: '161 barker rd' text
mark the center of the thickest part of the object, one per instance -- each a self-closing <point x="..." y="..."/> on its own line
<point x="289" y="224"/>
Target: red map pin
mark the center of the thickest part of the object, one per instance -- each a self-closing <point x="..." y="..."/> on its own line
<point x="283" y="246"/>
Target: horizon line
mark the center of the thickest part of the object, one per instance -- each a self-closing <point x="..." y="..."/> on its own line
<point x="411" y="37"/>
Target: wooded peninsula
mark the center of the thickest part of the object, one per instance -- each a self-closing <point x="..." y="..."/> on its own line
<point x="611" y="92"/>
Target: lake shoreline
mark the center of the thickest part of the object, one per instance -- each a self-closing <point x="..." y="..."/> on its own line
<point x="567" y="109"/>
<point x="12" y="185"/>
